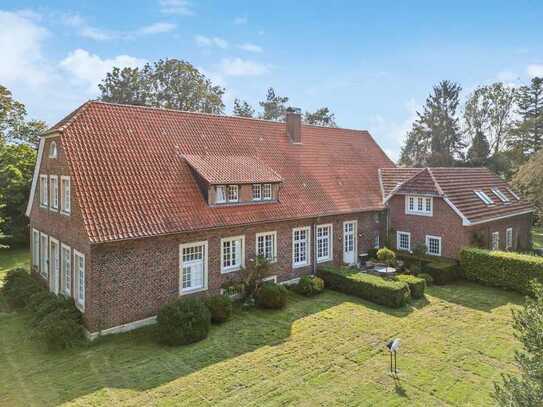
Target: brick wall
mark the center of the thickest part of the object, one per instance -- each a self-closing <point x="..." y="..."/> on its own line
<point x="521" y="226"/>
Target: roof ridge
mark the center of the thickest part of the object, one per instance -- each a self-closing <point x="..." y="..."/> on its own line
<point x="436" y="184"/>
<point x="67" y="120"/>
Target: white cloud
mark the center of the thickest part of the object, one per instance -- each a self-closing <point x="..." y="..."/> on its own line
<point x="250" y="47"/>
<point x="240" y="20"/>
<point x="157" y="28"/>
<point x="90" y="69"/>
<point x="242" y="67"/>
<point x="203" y="41"/>
<point x="178" y="7"/>
<point x="535" y="70"/>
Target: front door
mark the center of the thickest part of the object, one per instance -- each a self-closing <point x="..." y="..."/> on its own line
<point x="54" y="263"/>
<point x="349" y="242"/>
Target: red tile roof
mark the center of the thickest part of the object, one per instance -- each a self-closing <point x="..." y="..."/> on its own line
<point x="231" y="169"/>
<point x="131" y="180"/>
<point x="457" y="185"/>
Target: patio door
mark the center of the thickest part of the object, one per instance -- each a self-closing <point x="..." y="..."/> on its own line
<point x="349" y="242"/>
<point x="54" y="265"/>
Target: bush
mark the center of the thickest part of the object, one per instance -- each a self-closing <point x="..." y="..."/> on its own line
<point x="59" y="329"/>
<point x="391" y="293"/>
<point x="183" y="321"/>
<point x="501" y="269"/>
<point x="386" y="255"/>
<point x="220" y="307"/>
<point x="416" y="285"/>
<point x="271" y="295"/>
<point x="372" y="253"/>
<point x="53" y="303"/>
<point x="309" y="286"/>
<point x="35" y="300"/>
<point x="443" y="272"/>
<point x="426" y="277"/>
<point x="18" y="287"/>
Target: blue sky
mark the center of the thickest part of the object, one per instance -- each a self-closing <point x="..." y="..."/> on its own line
<point x="372" y="63"/>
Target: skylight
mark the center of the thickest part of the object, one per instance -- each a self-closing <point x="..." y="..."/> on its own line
<point x="500" y="195"/>
<point x="484" y="197"/>
<point x="514" y="195"/>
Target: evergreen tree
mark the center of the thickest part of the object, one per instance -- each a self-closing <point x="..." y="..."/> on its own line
<point x="321" y="117"/>
<point x="479" y="150"/>
<point x="243" y="109"/>
<point x="274" y="107"/>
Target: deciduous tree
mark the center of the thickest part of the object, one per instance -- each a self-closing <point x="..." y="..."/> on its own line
<point x="529" y="181"/>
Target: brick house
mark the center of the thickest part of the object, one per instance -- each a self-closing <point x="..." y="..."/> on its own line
<point x="132" y="207"/>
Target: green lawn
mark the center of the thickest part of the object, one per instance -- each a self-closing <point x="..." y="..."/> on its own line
<point x="11" y="258"/>
<point x="537" y="236"/>
<point x="327" y="350"/>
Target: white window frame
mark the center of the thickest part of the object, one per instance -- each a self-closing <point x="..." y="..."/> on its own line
<point x="513" y="194"/>
<point x="53" y="152"/>
<point x="495" y="241"/>
<point x="438" y="238"/>
<point x="66" y="289"/>
<point x="330" y="256"/>
<point x="376" y="240"/>
<point x="509" y="238"/>
<point x="307" y="261"/>
<point x="44" y="191"/>
<point x="483" y="197"/>
<point x="53" y="192"/>
<point x="500" y="195"/>
<point x="184" y="291"/>
<point x="415" y="200"/>
<point x="267" y="192"/>
<point x="222" y="195"/>
<point x="35" y="249"/>
<point x="79" y="301"/>
<point x="232" y="188"/>
<point x="241" y="264"/>
<point x="65" y="209"/>
<point x="44" y="256"/>
<point x="398" y="240"/>
<point x="274" y="247"/>
<point x="54" y="285"/>
<point x="255" y="188"/>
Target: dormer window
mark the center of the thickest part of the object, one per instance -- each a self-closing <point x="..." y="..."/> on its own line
<point x="220" y="195"/>
<point x="257" y="192"/>
<point x="500" y="195"/>
<point x="418" y="205"/>
<point x="232" y="193"/>
<point x="266" y="192"/>
<point x="484" y="197"/>
<point x="53" y="149"/>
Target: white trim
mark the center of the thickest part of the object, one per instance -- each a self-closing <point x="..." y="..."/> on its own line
<point x="35" y="177"/>
<point x="44" y="191"/>
<point x="428" y="237"/>
<point x="53" y="193"/>
<point x="496" y="191"/>
<point x="498" y="217"/>
<point x="497" y="234"/>
<point x="513" y="194"/>
<point x="330" y="256"/>
<point x="398" y="233"/>
<point x="53" y="144"/>
<point x="270" y="278"/>
<point x="35" y="259"/>
<point x="242" y="254"/>
<point x="62" y="200"/>
<point x="75" y="268"/>
<point x="63" y="287"/>
<point x="54" y="286"/>
<point x="205" y="265"/>
<point x="509" y="238"/>
<point x="264" y="186"/>
<point x="307" y="261"/>
<point x="355" y="242"/>
<point x="46" y="252"/>
<point x="130" y="326"/>
<point x="415" y="211"/>
<point x="263" y="234"/>
<point x="483" y="197"/>
<point x="223" y="188"/>
<point x="292" y="281"/>
<point x="259" y="187"/>
<point x="234" y="187"/>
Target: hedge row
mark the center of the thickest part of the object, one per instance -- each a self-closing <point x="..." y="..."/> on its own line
<point x="513" y="271"/>
<point x="391" y="293"/>
<point x="443" y="272"/>
<point x="416" y="285"/>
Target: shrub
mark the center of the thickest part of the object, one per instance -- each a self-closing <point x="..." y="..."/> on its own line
<point x="53" y="303"/>
<point x="271" y="295"/>
<point x="309" y="286"/>
<point x="426" y="277"/>
<point x="501" y="269"/>
<point x="443" y="272"/>
<point x="386" y="255"/>
<point x="372" y="253"/>
<point x="220" y="307"/>
<point x="35" y="300"/>
<point x="183" y="321"/>
<point x="18" y="287"/>
<point x="416" y="284"/>
<point x="59" y="329"/>
<point x="391" y="293"/>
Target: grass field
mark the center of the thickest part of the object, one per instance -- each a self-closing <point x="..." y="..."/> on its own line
<point x="327" y="350"/>
<point x="11" y="258"/>
<point x="537" y="237"/>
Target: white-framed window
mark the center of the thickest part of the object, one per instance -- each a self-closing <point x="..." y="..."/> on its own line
<point x="513" y="194"/>
<point x="301" y="240"/>
<point x="66" y="269"/>
<point x="79" y="275"/>
<point x="418" y="205"/>
<point x="376" y="240"/>
<point x="495" y="241"/>
<point x="323" y="240"/>
<point x="500" y="195"/>
<point x="232" y="253"/>
<point x="44" y="191"/>
<point x="266" y="192"/>
<point x="509" y="238"/>
<point x="220" y="194"/>
<point x="257" y="192"/>
<point x="53" y="149"/>
<point x="433" y="245"/>
<point x="266" y="245"/>
<point x="65" y="198"/>
<point x="232" y="193"/>
<point x="403" y="241"/>
<point x="53" y="189"/>
<point x="193" y="267"/>
<point x="484" y="197"/>
<point x="35" y="248"/>
<point x="44" y="255"/>
<point x="54" y="265"/>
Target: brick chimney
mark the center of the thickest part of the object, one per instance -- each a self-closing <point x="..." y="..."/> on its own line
<point x="294" y="125"/>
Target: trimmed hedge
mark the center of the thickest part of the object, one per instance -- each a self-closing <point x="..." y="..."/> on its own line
<point x="309" y="286"/>
<point x="391" y="293"/>
<point x="426" y="277"/>
<point x="220" y="307"/>
<point x="443" y="272"/>
<point x="513" y="271"/>
<point x="271" y="296"/>
<point x="416" y="285"/>
<point x="184" y="321"/>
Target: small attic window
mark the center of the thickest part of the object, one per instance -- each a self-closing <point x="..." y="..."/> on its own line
<point x="484" y="197"/>
<point x="53" y="149"/>
<point x="500" y="195"/>
<point x="513" y="194"/>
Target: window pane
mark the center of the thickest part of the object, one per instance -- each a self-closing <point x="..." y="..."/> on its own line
<point x="257" y="192"/>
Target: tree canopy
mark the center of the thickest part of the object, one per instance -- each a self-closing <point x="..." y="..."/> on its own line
<point x="243" y="109"/>
<point x="274" y="107"/>
<point x="321" y="117"/>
